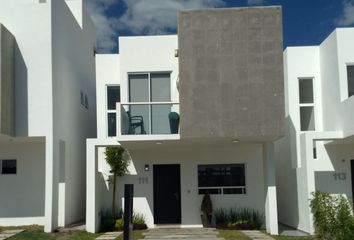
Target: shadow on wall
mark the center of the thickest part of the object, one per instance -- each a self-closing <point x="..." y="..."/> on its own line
<point x="143" y="194"/>
<point x="287" y="187"/>
<point x="337" y="181"/>
<point x="21" y="94"/>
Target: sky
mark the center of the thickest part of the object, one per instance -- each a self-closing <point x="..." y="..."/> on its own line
<point x="305" y="22"/>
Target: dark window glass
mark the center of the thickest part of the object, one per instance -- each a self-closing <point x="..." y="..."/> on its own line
<point x="9" y="167"/>
<point x="306" y="90"/>
<point x="350" y="75"/>
<point x="113" y="96"/>
<point x="307" y="117"/>
<point x="112" y="127"/>
<point x="315" y="153"/>
<point x="210" y="191"/>
<point x="234" y="190"/>
<point x="221" y="175"/>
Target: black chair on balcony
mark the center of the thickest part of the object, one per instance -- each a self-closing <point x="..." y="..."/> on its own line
<point x="135" y="122"/>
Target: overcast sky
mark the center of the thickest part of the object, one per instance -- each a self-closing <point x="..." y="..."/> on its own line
<point x="306" y="22"/>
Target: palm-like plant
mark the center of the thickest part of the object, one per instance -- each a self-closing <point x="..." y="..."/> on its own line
<point x="118" y="159"/>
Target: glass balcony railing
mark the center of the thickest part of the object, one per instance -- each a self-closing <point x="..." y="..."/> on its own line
<point x="158" y="118"/>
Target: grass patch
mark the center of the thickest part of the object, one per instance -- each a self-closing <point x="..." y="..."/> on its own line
<point x="233" y="235"/>
<point x="136" y="235"/>
<point x="40" y="235"/>
<point x="237" y="235"/>
<point x="36" y="233"/>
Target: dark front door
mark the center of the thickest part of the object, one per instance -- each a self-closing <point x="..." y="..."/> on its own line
<point x="352" y="167"/>
<point x="167" y="194"/>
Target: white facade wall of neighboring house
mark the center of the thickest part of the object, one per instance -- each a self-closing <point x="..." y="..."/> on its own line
<point x="54" y="66"/>
<point x="151" y="54"/>
<point x="316" y="158"/>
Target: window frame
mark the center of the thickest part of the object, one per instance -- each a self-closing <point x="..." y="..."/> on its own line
<point x="149" y="84"/>
<point x="222" y="188"/>
<point x="108" y="111"/>
<point x="150" y="102"/>
<point x="305" y="105"/>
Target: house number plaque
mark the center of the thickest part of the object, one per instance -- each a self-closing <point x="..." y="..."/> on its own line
<point x="143" y="180"/>
<point x="340" y="176"/>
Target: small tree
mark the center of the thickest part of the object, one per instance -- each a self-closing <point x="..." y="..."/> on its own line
<point x="118" y="159"/>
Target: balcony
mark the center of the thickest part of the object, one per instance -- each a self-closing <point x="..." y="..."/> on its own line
<point x="148" y="121"/>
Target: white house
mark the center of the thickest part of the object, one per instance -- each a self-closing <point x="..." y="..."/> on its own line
<point x="208" y="75"/>
<point x="318" y="149"/>
<point x="47" y="110"/>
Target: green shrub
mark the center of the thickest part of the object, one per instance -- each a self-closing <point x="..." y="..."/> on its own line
<point x="221" y="216"/>
<point x="138" y="222"/>
<point x="138" y="218"/>
<point x="238" y="218"/>
<point x="107" y="222"/>
<point x="333" y="217"/>
<point x="119" y="224"/>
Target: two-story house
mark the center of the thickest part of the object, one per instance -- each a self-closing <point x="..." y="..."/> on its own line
<point x="47" y="110"/>
<point x="222" y="77"/>
<point x="318" y="149"/>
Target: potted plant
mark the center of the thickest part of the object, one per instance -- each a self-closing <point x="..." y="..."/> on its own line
<point x="174" y="122"/>
<point x="207" y="210"/>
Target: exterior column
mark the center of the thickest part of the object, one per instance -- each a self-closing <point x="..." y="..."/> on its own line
<point x="92" y="216"/>
<point x="271" y="212"/>
<point x="51" y="185"/>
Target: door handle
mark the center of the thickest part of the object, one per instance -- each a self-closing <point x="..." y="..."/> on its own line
<point x="176" y="196"/>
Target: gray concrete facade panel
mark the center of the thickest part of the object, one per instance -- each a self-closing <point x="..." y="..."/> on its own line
<point x="231" y="73"/>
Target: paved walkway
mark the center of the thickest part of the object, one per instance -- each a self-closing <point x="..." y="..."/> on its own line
<point x="108" y="236"/>
<point x="257" y="235"/>
<point x="182" y="233"/>
<point x="9" y="233"/>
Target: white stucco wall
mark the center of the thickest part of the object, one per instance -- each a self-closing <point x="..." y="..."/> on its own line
<point x="30" y="23"/>
<point x="298" y="174"/>
<point x="73" y="74"/>
<point x="148" y="54"/>
<point x="336" y="53"/>
<point x="189" y="157"/>
<point x="22" y="194"/>
<point x="107" y="73"/>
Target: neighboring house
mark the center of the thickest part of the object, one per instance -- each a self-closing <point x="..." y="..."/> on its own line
<point x="318" y="150"/>
<point x="47" y="110"/>
<point x="223" y="75"/>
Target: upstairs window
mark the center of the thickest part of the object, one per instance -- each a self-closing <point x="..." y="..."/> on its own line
<point x="150" y="87"/>
<point x="153" y="91"/>
<point x="113" y="96"/>
<point x="8" y="166"/>
<point x="350" y="77"/>
<point x="306" y="98"/>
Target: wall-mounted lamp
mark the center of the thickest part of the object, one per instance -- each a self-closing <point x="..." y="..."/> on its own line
<point x="235" y="140"/>
<point x="176" y="52"/>
<point x="146" y="167"/>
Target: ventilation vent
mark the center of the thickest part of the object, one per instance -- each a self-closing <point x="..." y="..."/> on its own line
<point x="42" y="1"/>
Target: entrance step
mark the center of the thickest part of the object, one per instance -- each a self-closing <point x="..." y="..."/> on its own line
<point x="109" y="236"/>
<point x="257" y="235"/>
<point x="182" y="233"/>
<point x="9" y="233"/>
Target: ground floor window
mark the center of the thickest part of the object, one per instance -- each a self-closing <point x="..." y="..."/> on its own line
<point x="8" y="166"/>
<point x="222" y="179"/>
